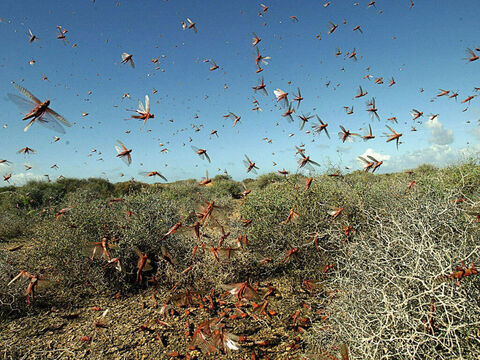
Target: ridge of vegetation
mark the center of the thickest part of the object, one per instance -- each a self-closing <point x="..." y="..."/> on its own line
<point x="378" y="266"/>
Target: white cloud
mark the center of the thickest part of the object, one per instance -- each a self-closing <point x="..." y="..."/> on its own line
<point x="438" y="155"/>
<point x="343" y="148"/>
<point x="374" y="154"/>
<point x="22" y="178"/>
<point x="476" y="132"/>
<point x="438" y="135"/>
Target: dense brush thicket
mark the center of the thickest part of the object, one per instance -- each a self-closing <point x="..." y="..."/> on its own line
<point x="381" y="249"/>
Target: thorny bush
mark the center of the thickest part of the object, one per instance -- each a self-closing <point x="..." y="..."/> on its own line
<point x="393" y="297"/>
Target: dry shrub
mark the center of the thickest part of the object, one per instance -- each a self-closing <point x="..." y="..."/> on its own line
<point x="388" y="279"/>
<point x="14" y="215"/>
<point x="272" y="237"/>
<point x="12" y="225"/>
<point x="12" y="298"/>
<point x="62" y="248"/>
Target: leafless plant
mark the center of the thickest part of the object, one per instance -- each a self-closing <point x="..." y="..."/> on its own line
<point x="390" y="304"/>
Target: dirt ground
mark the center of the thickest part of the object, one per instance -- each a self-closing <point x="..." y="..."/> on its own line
<point x="135" y="328"/>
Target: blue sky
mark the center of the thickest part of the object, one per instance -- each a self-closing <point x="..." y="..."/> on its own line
<point x="423" y="47"/>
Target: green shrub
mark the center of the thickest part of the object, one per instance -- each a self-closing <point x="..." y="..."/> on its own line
<point x="224" y="188"/>
<point x="128" y="187"/>
<point x="266" y="179"/>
